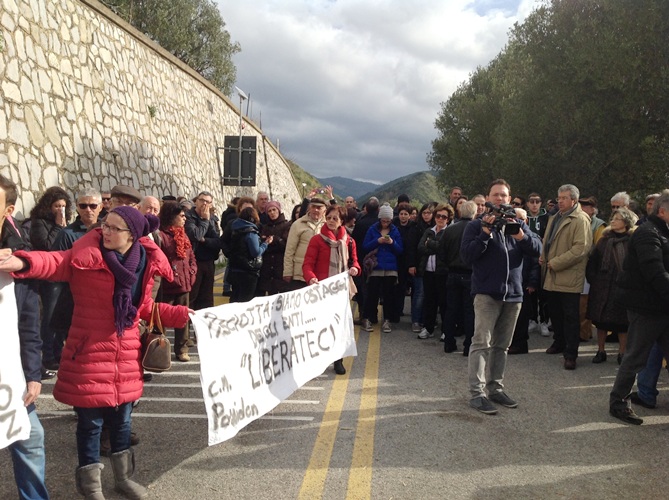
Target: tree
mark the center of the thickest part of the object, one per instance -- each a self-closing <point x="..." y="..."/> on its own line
<point x="192" y="30"/>
<point x="576" y="96"/>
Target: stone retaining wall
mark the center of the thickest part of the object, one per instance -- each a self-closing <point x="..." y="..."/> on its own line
<point x="87" y="100"/>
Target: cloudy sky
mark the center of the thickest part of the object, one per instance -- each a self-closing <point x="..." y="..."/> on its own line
<point x="353" y="87"/>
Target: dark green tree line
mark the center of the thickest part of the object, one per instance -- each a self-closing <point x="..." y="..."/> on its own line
<point x="192" y="30"/>
<point x="577" y="96"/>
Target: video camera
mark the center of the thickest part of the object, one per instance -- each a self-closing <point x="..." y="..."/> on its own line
<point x="505" y="216"/>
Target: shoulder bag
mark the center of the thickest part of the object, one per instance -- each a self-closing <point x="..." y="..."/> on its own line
<point x="156" y="349"/>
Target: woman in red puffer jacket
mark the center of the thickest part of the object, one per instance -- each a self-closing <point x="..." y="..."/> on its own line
<point x="110" y="271"/>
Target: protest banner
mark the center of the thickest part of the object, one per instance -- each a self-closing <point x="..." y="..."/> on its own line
<point x="255" y="354"/>
<point x="14" y="422"/>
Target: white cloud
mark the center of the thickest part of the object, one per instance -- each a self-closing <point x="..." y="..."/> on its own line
<point x="353" y="88"/>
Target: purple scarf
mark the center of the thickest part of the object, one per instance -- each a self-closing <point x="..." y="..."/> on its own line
<point x="125" y="276"/>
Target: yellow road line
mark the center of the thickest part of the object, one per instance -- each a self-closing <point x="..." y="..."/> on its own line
<point x="360" y="475"/>
<point x="314" y="478"/>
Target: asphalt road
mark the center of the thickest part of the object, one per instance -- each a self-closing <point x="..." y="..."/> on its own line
<point x="406" y="433"/>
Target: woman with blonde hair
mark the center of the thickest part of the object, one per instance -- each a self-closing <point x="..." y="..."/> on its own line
<point x="604" y="266"/>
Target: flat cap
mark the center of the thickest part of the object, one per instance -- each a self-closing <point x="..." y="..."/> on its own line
<point x="126" y="191"/>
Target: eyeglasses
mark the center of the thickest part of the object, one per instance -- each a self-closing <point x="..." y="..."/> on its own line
<point x="441" y="216"/>
<point x="112" y="229"/>
<point x="84" y="206"/>
<point x="206" y="202"/>
<point x="106" y="199"/>
<point x="531" y="200"/>
<point x="334" y="218"/>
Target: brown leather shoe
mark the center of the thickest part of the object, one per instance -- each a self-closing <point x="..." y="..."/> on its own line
<point x="569" y="364"/>
<point x="554" y="350"/>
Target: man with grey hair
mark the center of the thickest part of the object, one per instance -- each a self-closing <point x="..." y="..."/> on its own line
<point x="644" y="291"/>
<point x="149" y="205"/>
<point x="567" y="243"/>
<point x="261" y="203"/>
<point x="620" y="200"/>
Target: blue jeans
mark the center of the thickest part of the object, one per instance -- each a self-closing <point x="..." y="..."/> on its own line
<point x="646" y="380"/>
<point x="89" y="426"/>
<point x="417" y="296"/>
<point x="29" y="462"/>
<point x="645" y="332"/>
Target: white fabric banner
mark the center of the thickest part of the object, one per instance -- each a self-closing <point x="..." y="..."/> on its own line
<point x="255" y="354"/>
<point x="14" y="422"/>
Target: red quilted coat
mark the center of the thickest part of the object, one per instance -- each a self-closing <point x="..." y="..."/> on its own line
<point x="317" y="259"/>
<point x="98" y="368"/>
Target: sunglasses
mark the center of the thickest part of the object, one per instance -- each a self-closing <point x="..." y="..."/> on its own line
<point x="516" y="203"/>
<point x="441" y="216"/>
<point x="84" y="206"/>
<point x="106" y="199"/>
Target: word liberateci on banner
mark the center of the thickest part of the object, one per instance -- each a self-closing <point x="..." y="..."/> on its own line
<point x="255" y="354"/>
<point x="14" y="421"/>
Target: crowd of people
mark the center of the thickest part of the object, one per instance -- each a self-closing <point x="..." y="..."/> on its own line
<point x="488" y="270"/>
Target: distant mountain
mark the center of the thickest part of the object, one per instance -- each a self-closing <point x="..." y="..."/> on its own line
<point x="348" y="187"/>
<point x="421" y="187"/>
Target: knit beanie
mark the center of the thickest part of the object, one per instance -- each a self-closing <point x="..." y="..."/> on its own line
<point x="139" y="225"/>
<point x="274" y="204"/>
<point x="385" y="212"/>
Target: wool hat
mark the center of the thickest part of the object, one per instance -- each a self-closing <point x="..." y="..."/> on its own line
<point x="126" y="191"/>
<point x="273" y="204"/>
<point x="139" y="225"/>
<point x="385" y="212"/>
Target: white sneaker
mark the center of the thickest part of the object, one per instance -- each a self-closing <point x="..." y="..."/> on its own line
<point x="423" y="334"/>
<point x="534" y="327"/>
<point x="367" y="325"/>
<point x="415" y="327"/>
<point x="386" y="327"/>
<point x="545" y="332"/>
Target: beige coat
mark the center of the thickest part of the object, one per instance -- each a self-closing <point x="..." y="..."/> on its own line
<point x="568" y="254"/>
<point x="299" y="236"/>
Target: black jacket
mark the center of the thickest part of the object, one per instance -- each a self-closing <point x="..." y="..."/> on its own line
<point x="203" y="235"/>
<point x="449" y="247"/>
<point x="27" y="305"/>
<point x="360" y="231"/>
<point x="644" y="283"/>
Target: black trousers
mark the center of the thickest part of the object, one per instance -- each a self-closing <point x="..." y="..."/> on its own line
<point x="243" y="285"/>
<point x="564" y="309"/>
<point x="381" y="286"/>
<point x="434" y="288"/>
<point x="202" y="293"/>
<point x="459" y="308"/>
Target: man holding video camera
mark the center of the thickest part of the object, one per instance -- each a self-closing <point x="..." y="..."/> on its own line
<point x="494" y="245"/>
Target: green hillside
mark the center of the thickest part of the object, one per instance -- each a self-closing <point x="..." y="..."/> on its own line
<point x="348" y="187"/>
<point x="301" y="176"/>
<point x="420" y="186"/>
